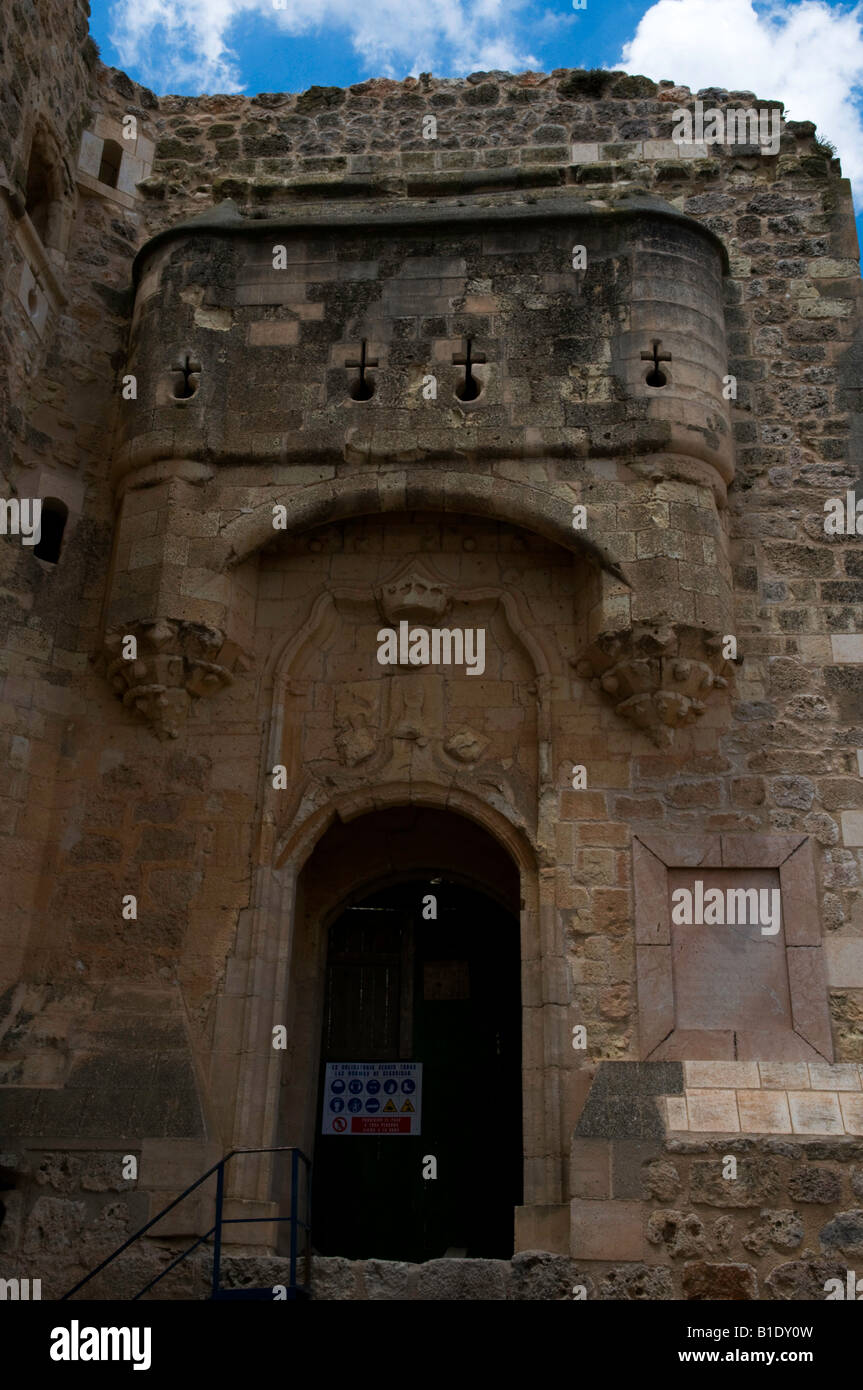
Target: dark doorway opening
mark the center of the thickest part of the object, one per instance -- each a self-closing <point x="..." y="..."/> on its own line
<point x="445" y="992"/>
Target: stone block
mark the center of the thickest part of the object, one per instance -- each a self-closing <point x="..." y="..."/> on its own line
<point x="763" y="1112"/>
<point x="90" y="154"/>
<point x="628" y="1160"/>
<point x="851" y="1105"/>
<point x="677" y="1115"/>
<point x="542" y="1228"/>
<point x="834" y="1076"/>
<point x="811" y="1184"/>
<point x="706" y="1282"/>
<point x="815" y="1112"/>
<point x="274" y="334"/>
<point x="712" y="1111"/>
<point x="538" y="1274"/>
<point x="661" y="149"/>
<point x="655" y="996"/>
<point x="606" y="1230"/>
<point x="385" y="1280"/>
<point x="808" y="990"/>
<point x="847" y="648"/>
<point x="590" y="1174"/>
<point x="726" y="1075"/>
<point x="784" y="1076"/>
<point x="457" y="1280"/>
<point x="852" y="828"/>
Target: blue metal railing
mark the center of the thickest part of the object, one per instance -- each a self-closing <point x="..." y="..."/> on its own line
<point x="297" y="1222"/>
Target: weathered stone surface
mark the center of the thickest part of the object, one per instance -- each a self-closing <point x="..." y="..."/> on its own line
<point x="386" y="1280"/>
<point x="637" y="1283"/>
<point x="803" y="1280"/>
<point x="54" y="1227"/>
<point x="757" y="1182"/>
<point x="680" y="1233"/>
<point x="485" y="1280"/>
<point x="815" y="1185"/>
<point x="703" y="1281"/>
<point x="844" y="1233"/>
<point x="334" y="1278"/>
<point x="537" y="1275"/>
<point x="781" y="1230"/>
<point x="661" y="1180"/>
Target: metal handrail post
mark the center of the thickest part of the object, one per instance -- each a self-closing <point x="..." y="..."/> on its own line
<point x="308" y="1280"/>
<point x="217" y="1242"/>
<point x="295" y="1174"/>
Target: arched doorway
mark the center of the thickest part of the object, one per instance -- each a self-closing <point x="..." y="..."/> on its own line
<point x="407" y="967"/>
<point x="440" y="992"/>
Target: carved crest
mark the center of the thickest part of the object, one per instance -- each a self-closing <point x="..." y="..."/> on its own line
<point x="416" y="592"/>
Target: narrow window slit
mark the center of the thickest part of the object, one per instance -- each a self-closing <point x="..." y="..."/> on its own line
<point x="362" y="389"/>
<point x="53" y="524"/>
<point x="656" y="376"/>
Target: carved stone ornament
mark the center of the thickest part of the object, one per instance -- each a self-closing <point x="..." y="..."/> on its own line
<point x="415" y="592"/>
<point x="659" y="677"/>
<point x="175" y="662"/>
<point x="466" y="746"/>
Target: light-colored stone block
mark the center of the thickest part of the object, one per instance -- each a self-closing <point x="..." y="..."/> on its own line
<point x="131" y="173"/>
<point x="844" y="959"/>
<point x="661" y="149"/>
<point x="815" y="1112"/>
<point x="677" y="1117"/>
<point x="590" y="1169"/>
<point x="847" y="647"/>
<point x="712" y="1111"/>
<point x="860" y="761"/>
<point x="90" y="154"/>
<point x="694" y="151"/>
<point x="852" y="828"/>
<point x="784" y="1076"/>
<point x="606" y="1230"/>
<point x="542" y="1228"/>
<point x="585" y="154"/>
<point x="726" y="1075"/>
<point x="852" y="1112"/>
<point x="107" y="128"/>
<point x="274" y="334"/>
<point x="764" y="1112"/>
<point x="834" y="1076"/>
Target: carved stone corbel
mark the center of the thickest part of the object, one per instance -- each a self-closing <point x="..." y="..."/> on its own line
<point x="174" y="662"/>
<point x="657" y="675"/>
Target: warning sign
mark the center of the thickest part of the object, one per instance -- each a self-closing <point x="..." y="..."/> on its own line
<point x="381" y="1124"/>
<point x="375" y="1097"/>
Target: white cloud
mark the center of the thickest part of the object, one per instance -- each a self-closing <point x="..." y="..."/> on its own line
<point x="807" y="55"/>
<point x="178" y="46"/>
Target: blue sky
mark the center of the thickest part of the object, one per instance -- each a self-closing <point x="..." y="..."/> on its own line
<point x="808" y="54"/>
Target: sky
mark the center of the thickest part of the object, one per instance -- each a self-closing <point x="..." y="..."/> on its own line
<point x="808" y="54"/>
